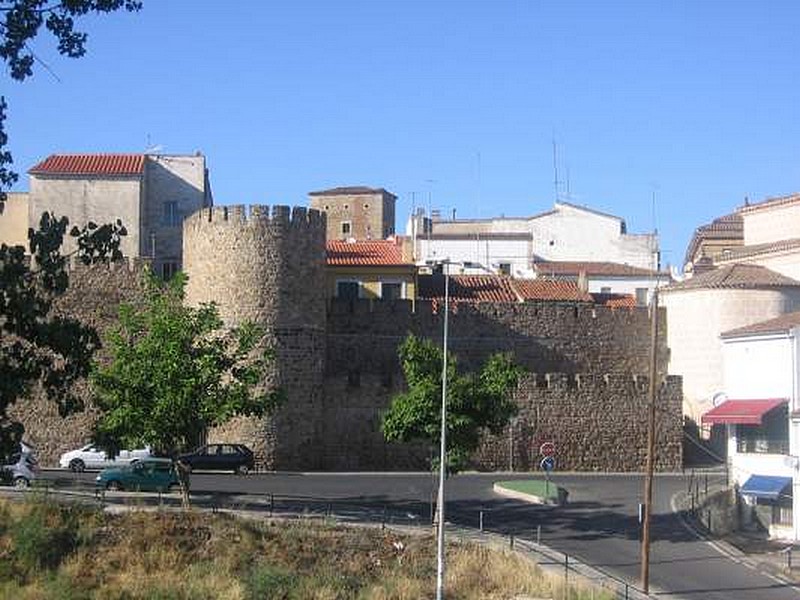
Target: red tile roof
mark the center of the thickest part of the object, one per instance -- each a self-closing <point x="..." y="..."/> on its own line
<point x="467" y="288"/>
<point x="758" y="249"/>
<point x="727" y="227"/>
<point x="563" y="268"/>
<point x="550" y="289"/>
<point x="614" y="300"/>
<point x="366" y="253"/>
<point x="739" y="276"/>
<point x="90" y="164"/>
<point x="495" y="288"/>
<point x="781" y="324"/>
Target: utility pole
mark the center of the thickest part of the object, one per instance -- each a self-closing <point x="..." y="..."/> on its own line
<point x="651" y="443"/>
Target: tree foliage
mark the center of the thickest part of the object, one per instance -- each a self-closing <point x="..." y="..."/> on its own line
<point x="35" y="344"/>
<point x="175" y="371"/>
<point x="475" y="401"/>
<point x="21" y="22"/>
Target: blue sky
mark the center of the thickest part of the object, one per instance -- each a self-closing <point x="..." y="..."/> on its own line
<point x="694" y="103"/>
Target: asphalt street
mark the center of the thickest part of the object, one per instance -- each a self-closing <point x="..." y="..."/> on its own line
<point x="599" y="525"/>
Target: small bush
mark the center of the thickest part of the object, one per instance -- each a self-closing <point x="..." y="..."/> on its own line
<point x="42" y="538"/>
<point x="269" y="581"/>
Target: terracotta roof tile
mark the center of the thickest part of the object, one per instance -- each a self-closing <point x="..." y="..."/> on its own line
<point x="550" y="289"/>
<point x="575" y="268"/>
<point x="466" y="288"/>
<point x="90" y="164"/>
<point x="727" y="227"/>
<point x="366" y="253"/>
<point x="781" y="324"/>
<point x="614" y="300"/>
<point x="352" y="190"/>
<point x="496" y="288"/>
<point x="739" y="275"/>
<point x="757" y="249"/>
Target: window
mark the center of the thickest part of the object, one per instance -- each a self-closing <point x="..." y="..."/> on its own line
<point x="171" y="217"/>
<point x="771" y="437"/>
<point x="168" y="270"/>
<point x="347" y="289"/>
<point x="782" y="512"/>
<point x="605" y="290"/>
<point x="641" y="296"/>
<point x="346" y="228"/>
<point x="504" y="268"/>
<point x="391" y="290"/>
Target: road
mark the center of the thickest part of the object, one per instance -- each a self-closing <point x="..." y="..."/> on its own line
<point x="599" y="524"/>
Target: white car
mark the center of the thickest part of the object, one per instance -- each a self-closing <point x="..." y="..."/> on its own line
<point x="92" y="457"/>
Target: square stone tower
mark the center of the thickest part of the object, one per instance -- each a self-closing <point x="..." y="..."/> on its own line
<point x="358" y="212"/>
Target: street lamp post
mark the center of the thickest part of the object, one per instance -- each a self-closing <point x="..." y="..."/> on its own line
<point x="443" y="444"/>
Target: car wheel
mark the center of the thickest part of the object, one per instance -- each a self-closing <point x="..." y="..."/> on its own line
<point x="21" y="483"/>
<point x="243" y="469"/>
<point x="76" y="465"/>
<point x="114" y="486"/>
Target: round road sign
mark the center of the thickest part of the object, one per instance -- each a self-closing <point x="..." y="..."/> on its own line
<point x="548" y="463"/>
<point x="547" y="449"/>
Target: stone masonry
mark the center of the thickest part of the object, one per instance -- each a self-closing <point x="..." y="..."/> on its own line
<point x="585" y="388"/>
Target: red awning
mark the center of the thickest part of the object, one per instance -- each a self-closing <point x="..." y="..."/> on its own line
<point x="741" y="412"/>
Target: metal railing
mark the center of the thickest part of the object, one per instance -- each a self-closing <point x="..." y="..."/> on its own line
<point x="580" y="580"/>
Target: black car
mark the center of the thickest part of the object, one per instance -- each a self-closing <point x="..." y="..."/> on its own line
<point x="220" y="457"/>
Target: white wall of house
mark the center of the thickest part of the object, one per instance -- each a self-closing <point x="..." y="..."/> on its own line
<point x="625" y="285"/>
<point x="695" y="320"/>
<point x="178" y="179"/>
<point x="566" y="233"/>
<point x="82" y="199"/>
<point x="765" y="366"/>
<point x="14" y="220"/>
<point x="771" y="223"/>
<point x="487" y="253"/>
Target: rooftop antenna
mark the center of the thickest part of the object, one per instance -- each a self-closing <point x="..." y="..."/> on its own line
<point x="569" y="196"/>
<point x="556" y="182"/>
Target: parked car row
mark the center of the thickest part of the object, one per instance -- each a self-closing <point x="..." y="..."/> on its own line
<point x="130" y="469"/>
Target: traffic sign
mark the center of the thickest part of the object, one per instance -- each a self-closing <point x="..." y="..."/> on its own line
<point x="548" y="463"/>
<point x="547" y="449"/>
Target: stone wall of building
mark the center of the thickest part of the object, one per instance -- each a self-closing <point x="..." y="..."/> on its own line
<point x="591" y="403"/>
<point x="268" y="267"/>
<point x="544" y="336"/>
<point x="338" y="362"/>
<point x="94" y="296"/>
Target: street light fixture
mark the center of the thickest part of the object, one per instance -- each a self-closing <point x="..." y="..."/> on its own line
<point x="442" y="442"/>
<point x="440" y="558"/>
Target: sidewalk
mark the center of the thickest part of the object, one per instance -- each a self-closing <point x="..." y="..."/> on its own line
<point x="752" y="547"/>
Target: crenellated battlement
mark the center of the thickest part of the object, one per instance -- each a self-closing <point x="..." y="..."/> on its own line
<point x="258" y="215"/>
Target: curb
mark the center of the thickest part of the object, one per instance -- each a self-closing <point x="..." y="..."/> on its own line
<point x="533" y="498"/>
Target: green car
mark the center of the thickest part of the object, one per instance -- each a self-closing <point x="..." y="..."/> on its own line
<point x="148" y="474"/>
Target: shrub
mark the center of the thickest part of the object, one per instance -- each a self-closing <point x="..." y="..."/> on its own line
<point x="269" y="581"/>
<point x="42" y="538"/>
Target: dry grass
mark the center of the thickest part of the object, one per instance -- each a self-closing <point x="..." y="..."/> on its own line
<point x="193" y="556"/>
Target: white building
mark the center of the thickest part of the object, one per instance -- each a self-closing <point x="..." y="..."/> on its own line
<point x="771" y="236"/>
<point x="701" y="308"/>
<point x="600" y="278"/>
<point x="149" y="193"/>
<point x="511" y="246"/>
<point x="761" y="414"/>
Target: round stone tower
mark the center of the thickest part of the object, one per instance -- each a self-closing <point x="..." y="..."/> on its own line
<point x="269" y="268"/>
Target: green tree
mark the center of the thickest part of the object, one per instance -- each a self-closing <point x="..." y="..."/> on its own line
<point x="475" y="401"/>
<point x="21" y="22"/>
<point x="35" y="344"/>
<point x="175" y="371"/>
